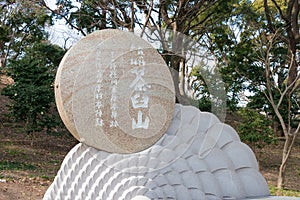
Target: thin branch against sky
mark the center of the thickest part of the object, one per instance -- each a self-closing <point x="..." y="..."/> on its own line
<point x="60" y="33"/>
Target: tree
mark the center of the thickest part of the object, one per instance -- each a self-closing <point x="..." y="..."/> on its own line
<point x="195" y="19"/>
<point x="283" y="100"/>
<point x="254" y="128"/>
<point x="29" y="59"/>
<point x="86" y="16"/>
<point x="32" y="91"/>
<point x="165" y="22"/>
<point x="264" y="55"/>
<point x="22" y="23"/>
<point x="289" y="35"/>
<point x="256" y="43"/>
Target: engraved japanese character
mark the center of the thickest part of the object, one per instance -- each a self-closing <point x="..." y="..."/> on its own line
<point x="98" y="104"/>
<point x="98" y="96"/>
<point x="139" y="100"/>
<point x="113" y="123"/>
<point x="114" y="114"/>
<point x="99" y="122"/>
<point x="140" y="51"/>
<point x="138" y="83"/>
<point x="99" y="113"/>
<point x="140" y="123"/>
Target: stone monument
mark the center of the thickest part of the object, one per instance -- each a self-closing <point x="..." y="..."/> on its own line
<point x="114" y="92"/>
<point x="116" y="96"/>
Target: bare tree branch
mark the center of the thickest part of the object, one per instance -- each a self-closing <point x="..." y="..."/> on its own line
<point x="64" y="17"/>
<point x="132" y="16"/>
<point x="280" y="11"/>
<point x="148" y="14"/>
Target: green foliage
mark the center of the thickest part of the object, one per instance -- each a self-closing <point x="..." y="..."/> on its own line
<point x="200" y="87"/>
<point x="22" y="23"/>
<point x="93" y="15"/>
<point x="10" y="165"/>
<point x="208" y="89"/>
<point x="204" y="104"/>
<point x="32" y="91"/>
<point x="254" y="128"/>
<point x="254" y="50"/>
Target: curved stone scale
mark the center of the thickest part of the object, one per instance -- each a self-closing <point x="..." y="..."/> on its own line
<point x="197" y="158"/>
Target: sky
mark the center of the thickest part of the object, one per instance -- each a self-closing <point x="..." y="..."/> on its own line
<point x="60" y="33"/>
<point x="65" y="37"/>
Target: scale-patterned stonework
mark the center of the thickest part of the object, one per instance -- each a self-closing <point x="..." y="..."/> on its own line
<point x="198" y="158"/>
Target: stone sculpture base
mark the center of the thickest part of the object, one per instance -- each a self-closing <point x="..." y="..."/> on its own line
<point x="198" y="158"/>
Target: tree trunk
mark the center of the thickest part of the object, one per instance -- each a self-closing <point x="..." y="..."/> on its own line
<point x="281" y="176"/>
<point x="182" y="77"/>
<point x="179" y="77"/>
<point x="288" y="144"/>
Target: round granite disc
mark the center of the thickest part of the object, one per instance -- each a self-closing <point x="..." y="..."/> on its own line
<point x="114" y="92"/>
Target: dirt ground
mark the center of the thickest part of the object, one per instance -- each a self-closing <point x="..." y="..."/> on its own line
<point x="29" y="163"/>
<point x="26" y="169"/>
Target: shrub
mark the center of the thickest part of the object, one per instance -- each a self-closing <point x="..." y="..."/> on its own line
<point x="254" y="128"/>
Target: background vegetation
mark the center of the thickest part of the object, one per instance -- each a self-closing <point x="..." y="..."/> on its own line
<point x="255" y="45"/>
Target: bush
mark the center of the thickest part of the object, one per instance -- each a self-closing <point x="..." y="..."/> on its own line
<point x="254" y="128"/>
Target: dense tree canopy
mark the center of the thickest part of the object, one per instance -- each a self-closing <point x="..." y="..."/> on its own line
<point x="32" y="91"/>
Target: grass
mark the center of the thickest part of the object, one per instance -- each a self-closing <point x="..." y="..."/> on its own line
<point x="12" y="165"/>
<point x="47" y="177"/>
<point x="14" y="152"/>
<point x="56" y="162"/>
<point x="283" y="192"/>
